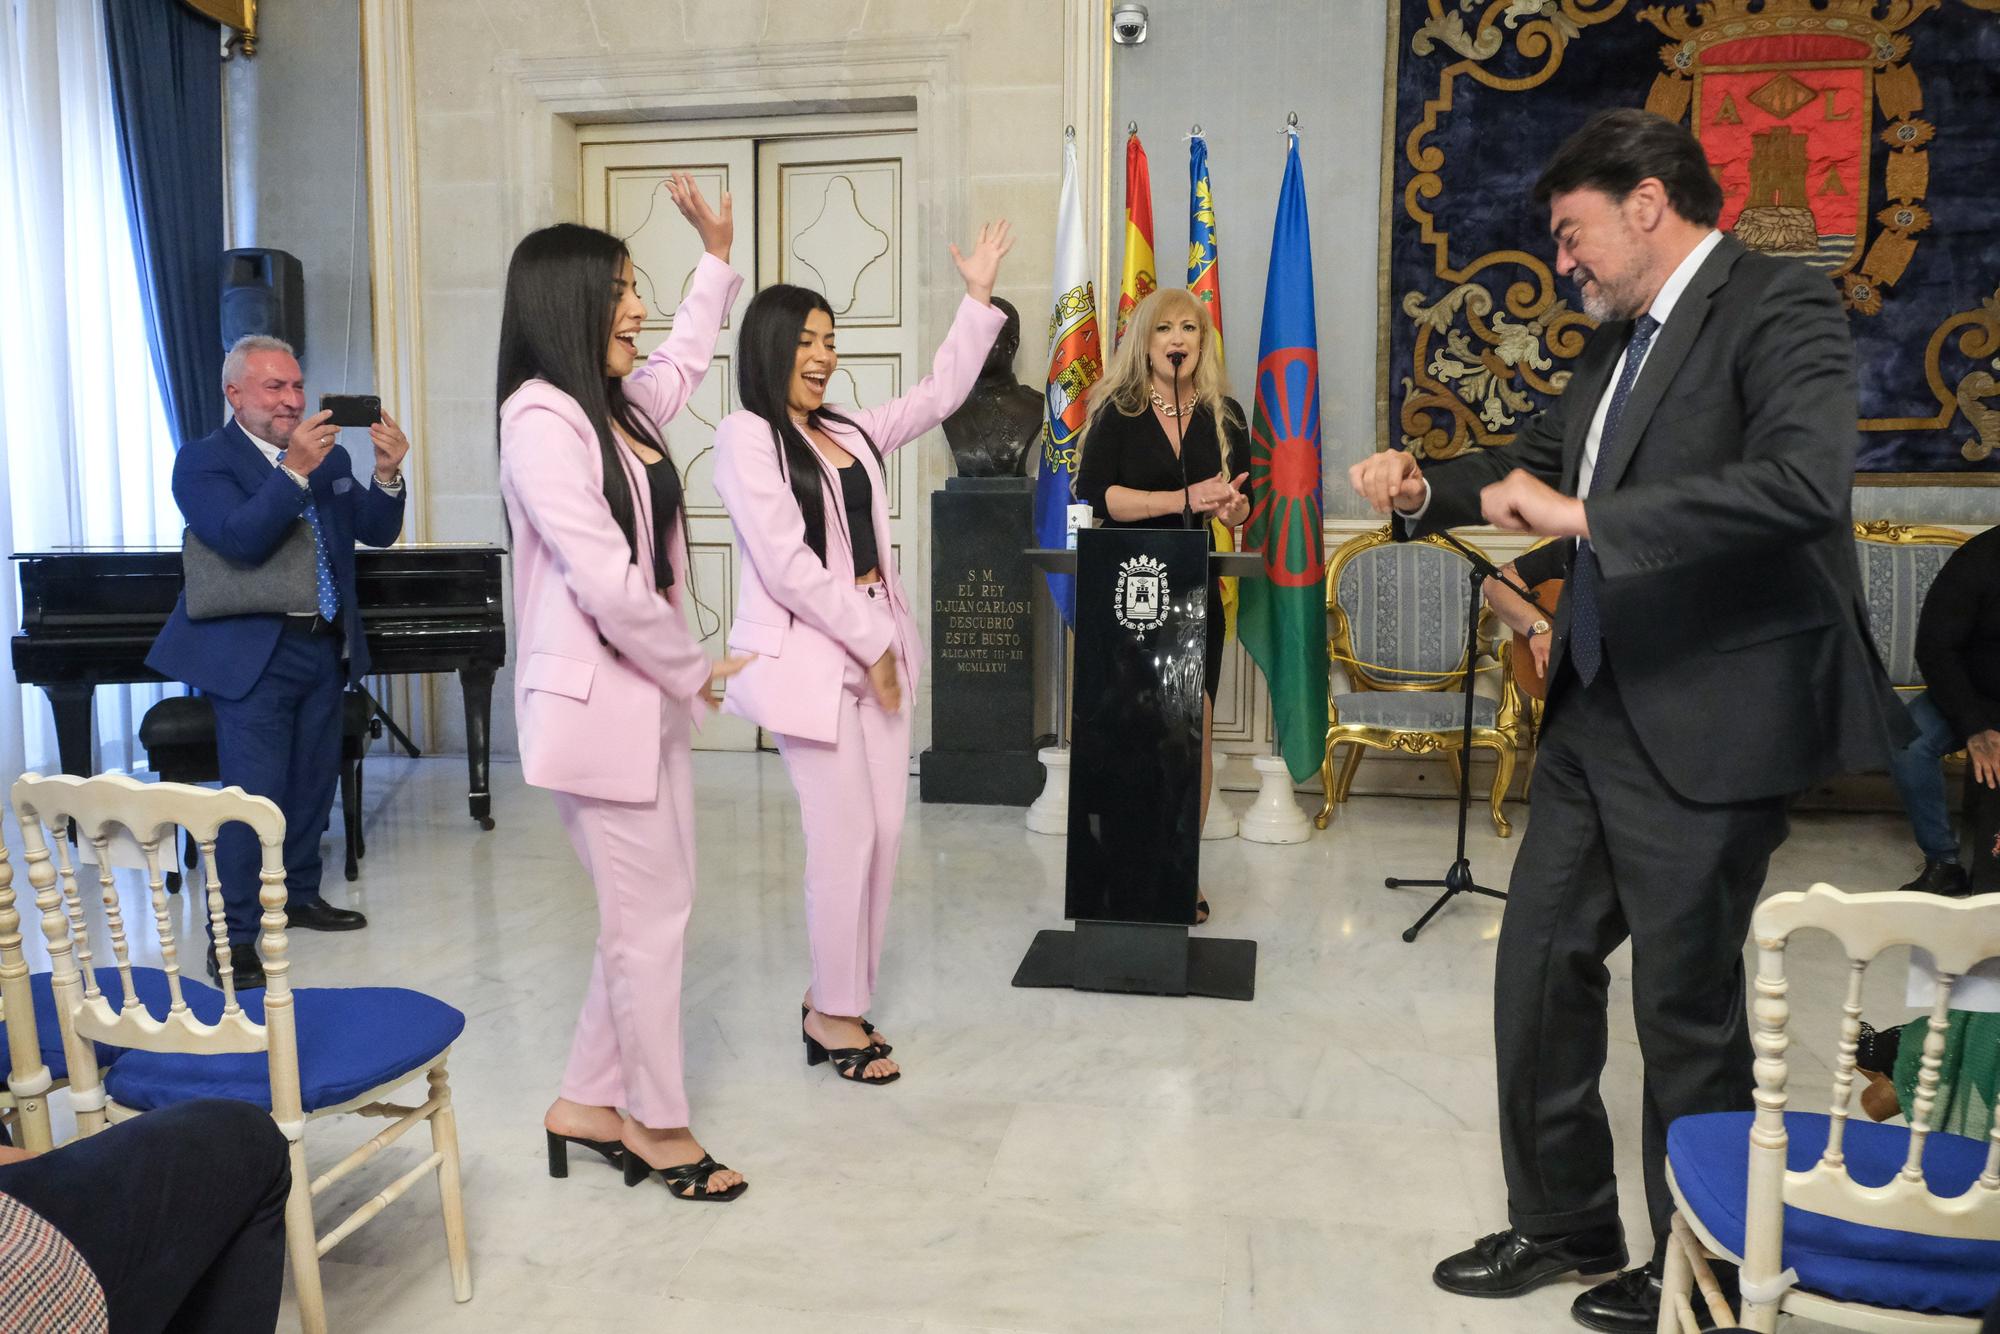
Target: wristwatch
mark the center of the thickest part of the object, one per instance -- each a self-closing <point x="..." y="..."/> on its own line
<point x="1538" y="628"/>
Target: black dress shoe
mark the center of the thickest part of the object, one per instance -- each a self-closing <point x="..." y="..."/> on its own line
<point x="244" y="965"/>
<point x="318" y="915"/>
<point x="1509" y="1263"/>
<point x="1630" y="1303"/>
<point x="1946" y="878"/>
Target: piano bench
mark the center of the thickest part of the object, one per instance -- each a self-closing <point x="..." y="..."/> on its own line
<point x="179" y="737"/>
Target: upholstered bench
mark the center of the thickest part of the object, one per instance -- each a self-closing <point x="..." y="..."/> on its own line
<point x="179" y="737"/>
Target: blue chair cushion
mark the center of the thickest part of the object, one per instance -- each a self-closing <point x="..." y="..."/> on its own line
<point x="1414" y="710"/>
<point x="351" y="1039"/>
<point x="1908" y="1271"/>
<point x="150" y="983"/>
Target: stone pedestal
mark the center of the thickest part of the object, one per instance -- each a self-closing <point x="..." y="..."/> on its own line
<point x="1275" y="817"/>
<point x="1050" y="813"/>
<point x="982" y="670"/>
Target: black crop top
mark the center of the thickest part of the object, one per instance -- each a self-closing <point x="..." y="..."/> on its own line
<point x="663" y="483"/>
<point x="854" y="498"/>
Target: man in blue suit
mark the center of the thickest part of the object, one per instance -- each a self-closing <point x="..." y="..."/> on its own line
<point x="276" y="680"/>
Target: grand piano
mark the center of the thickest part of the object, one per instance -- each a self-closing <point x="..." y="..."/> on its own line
<point x="89" y="616"/>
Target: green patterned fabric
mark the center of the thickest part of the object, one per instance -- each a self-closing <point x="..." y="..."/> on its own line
<point x="1966" y="1077"/>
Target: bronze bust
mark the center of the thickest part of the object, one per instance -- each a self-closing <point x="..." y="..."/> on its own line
<point x="991" y="433"/>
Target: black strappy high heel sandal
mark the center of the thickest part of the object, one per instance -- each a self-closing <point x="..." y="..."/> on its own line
<point x="1200" y="911"/>
<point x="848" y="1062"/>
<point x="613" y="1152"/>
<point x="881" y="1048"/>
<point x="689" y="1181"/>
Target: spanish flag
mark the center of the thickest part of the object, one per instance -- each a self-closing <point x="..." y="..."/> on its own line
<point x="1204" y="279"/>
<point x="1138" y="280"/>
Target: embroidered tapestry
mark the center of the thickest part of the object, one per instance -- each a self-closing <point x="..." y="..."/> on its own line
<point x="1860" y="136"/>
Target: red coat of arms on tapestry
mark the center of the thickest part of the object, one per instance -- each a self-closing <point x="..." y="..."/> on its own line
<point x="1784" y="96"/>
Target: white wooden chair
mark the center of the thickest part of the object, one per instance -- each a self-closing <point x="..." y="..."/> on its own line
<point x="1861" y="1226"/>
<point x="28" y="1078"/>
<point x="302" y="1053"/>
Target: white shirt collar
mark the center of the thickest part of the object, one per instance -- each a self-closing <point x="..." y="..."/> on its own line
<point x="269" y="450"/>
<point x="1677" y="281"/>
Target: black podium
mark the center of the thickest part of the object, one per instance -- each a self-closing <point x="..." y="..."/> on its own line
<point x="1134" y="856"/>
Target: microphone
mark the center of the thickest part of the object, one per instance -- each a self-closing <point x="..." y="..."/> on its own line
<point x="1180" y="443"/>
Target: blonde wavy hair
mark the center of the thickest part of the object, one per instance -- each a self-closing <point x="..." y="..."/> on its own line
<point x="1127" y="383"/>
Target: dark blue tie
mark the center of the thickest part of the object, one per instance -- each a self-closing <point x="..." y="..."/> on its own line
<point x="329" y="597"/>
<point x="1586" y="631"/>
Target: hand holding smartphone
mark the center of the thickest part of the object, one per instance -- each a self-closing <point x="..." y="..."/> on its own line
<point x="351" y="409"/>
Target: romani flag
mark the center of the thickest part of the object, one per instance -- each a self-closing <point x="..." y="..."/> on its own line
<point x="1204" y="280"/>
<point x="1138" y="280"/>
<point x="1076" y="359"/>
<point x="1282" y="619"/>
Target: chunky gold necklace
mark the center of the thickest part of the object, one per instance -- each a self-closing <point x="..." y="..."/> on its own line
<point x="1172" y="409"/>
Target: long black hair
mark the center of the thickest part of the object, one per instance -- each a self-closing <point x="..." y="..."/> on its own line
<point x="555" y="325"/>
<point x="767" y="352"/>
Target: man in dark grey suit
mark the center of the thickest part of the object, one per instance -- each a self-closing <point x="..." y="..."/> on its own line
<point x="1711" y="661"/>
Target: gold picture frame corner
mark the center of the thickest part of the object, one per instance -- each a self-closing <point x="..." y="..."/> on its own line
<point x="240" y="15"/>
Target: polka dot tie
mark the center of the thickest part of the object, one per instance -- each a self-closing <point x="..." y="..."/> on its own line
<point x="329" y="596"/>
<point x="1586" y="631"/>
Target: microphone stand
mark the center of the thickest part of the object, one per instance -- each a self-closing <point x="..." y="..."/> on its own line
<point x="1180" y="442"/>
<point x="1460" y="879"/>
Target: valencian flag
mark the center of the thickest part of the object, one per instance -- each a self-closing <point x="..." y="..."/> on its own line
<point x="1076" y="359"/>
<point x="1204" y="262"/>
<point x="1204" y="280"/>
<point x="1282" y="619"/>
<point x="1138" y="280"/>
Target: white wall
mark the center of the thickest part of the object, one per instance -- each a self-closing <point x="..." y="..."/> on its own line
<point x="297" y="180"/>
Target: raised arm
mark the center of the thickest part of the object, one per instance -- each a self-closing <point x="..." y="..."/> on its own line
<point x="545" y="469"/>
<point x="773" y="534"/>
<point x="956" y="366"/>
<point x="662" y="386"/>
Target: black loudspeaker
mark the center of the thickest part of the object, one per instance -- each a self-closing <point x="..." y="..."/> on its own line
<point x="263" y="292"/>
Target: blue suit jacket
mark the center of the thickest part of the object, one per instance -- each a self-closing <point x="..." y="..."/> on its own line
<point x="243" y="507"/>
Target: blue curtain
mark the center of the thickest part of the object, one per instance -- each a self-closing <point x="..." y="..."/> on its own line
<point x="166" y="87"/>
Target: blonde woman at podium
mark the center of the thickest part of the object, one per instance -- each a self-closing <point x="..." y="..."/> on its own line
<point x="820" y="608"/>
<point x="1152" y="454"/>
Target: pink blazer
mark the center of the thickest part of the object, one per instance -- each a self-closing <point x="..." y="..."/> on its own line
<point x="804" y="620"/>
<point x="598" y="652"/>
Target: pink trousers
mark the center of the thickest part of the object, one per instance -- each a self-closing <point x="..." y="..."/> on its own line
<point x="851" y="796"/>
<point x="640" y="856"/>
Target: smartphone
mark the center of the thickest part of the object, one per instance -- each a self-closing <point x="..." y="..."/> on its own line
<point x="351" y="409"/>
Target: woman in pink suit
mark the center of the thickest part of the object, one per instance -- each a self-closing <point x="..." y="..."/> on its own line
<point x="608" y="677"/>
<point x="819" y="608"/>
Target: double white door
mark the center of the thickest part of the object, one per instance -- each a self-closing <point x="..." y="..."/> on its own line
<point x="830" y="212"/>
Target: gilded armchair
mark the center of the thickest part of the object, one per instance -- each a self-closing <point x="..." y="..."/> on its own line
<point x="1396" y="624"/>
<point x="1898" y="562"/>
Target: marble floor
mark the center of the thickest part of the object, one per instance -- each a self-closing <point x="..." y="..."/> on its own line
<point x="1058" y="1162"/>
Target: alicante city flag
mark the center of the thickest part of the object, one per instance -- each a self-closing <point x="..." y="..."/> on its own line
<point x="1282" y="617"/>
<point x="1076" y="359"/>
<point x="1139" y="277"/>
<point x="1204" y="280"/>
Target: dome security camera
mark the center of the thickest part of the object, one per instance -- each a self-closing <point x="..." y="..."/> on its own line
<point x="1128" y="25"/>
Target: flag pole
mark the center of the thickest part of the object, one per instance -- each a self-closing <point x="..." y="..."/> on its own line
<point x="1275" y="816"/>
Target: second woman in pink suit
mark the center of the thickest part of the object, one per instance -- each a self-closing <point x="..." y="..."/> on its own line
<point x="834" y="649"/>
<point x="608" y="676"/>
